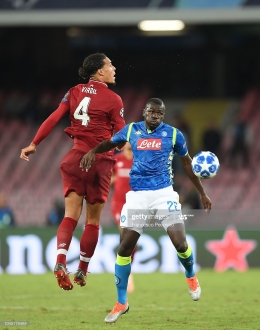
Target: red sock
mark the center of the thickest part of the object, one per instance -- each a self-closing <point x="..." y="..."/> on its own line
<point x="133" y="254"/>
<point x="88" y="243"/>
<point x="64" y="236"/>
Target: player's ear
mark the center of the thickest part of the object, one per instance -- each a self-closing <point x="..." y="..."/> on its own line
<point x="100" y="72"/>
<point x="144" y="112"/>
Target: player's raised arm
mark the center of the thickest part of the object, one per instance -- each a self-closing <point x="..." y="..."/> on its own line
<point x="89" y="158"/>
<point x="45" y="128"/>
<point x="186" y="163"/>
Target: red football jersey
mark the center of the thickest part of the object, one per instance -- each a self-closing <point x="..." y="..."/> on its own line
<point x="95" y="113"/>
<point x="121" y="185"/>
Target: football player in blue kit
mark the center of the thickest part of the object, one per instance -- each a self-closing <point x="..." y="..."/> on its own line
<point x="154" y="144"/>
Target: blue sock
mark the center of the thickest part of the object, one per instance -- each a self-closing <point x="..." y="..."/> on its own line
<point x="186" y="258"/>
<point x="122" y="272"/>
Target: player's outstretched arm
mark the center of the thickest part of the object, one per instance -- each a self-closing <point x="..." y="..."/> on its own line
<point x="89" y="158"/>
<point x="31" y="149"/>
<point x="45" y="128"/>
<point x="205" y="200"/>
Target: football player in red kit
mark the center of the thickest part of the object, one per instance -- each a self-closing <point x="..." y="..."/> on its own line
<point x="120" y="181"/>
<point x="96" y="113"/>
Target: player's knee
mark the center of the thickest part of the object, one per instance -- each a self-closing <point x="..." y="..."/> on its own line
<point x="93" y="221"/>
<point x="125" y="249"/>
<point x="181" y="246"/>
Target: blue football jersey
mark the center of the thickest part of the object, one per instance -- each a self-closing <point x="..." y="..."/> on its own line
<point x="153" y="153"/>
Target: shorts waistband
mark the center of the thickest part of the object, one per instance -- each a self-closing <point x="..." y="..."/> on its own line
<point x="79" y="145"/>
<point x="82" y="146"/>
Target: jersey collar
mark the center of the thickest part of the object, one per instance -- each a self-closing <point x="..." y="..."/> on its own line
<point x="96" y="81"/>
<point x="150" y="131"/>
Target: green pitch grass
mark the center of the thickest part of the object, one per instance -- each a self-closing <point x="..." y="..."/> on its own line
<point x="229" y="300"/>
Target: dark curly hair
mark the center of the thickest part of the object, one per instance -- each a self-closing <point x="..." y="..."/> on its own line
<point x="91" y="64"/>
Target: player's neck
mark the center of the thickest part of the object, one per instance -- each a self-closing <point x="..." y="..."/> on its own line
<point x="95" y="79"/>
<point x="98" y="80"/>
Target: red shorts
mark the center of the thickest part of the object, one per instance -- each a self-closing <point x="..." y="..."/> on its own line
<point x="94" y="184"/>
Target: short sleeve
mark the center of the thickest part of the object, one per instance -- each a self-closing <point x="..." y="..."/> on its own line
<point x="180" y="145"/>
<point x="121" y="136"/>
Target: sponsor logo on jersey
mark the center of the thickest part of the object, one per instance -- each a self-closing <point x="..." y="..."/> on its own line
<point x="138" y="133"/>
<point x="149" y="144"/>
<point x="89" y="90"/>
<point x="122" y="112"/>
<point x="164" y="133"/>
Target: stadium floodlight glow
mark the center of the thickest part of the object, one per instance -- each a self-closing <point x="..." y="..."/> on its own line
<point x="161" y="25"/>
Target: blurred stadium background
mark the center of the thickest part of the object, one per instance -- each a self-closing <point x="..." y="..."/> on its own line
<point x="207" y="74"/>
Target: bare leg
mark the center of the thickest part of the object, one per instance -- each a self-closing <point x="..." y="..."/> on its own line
<point x="177" y="235"/>
<point x="93" y="213"/>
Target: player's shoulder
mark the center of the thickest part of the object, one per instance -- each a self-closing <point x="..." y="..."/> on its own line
<point x="112" y="99"/>
<point x="76" y="88"/>
<point x="166" y="129"/>
<point x="113" y="95"/>
<point x="170" y="128"/>
<point x="166" y="126"/>
<point x="134" y="127"/>
<point x="137" y="125"/>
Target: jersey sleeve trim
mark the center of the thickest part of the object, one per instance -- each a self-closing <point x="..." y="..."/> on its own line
<point x="174" y="136"/>
<point x="129" y="131"/>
